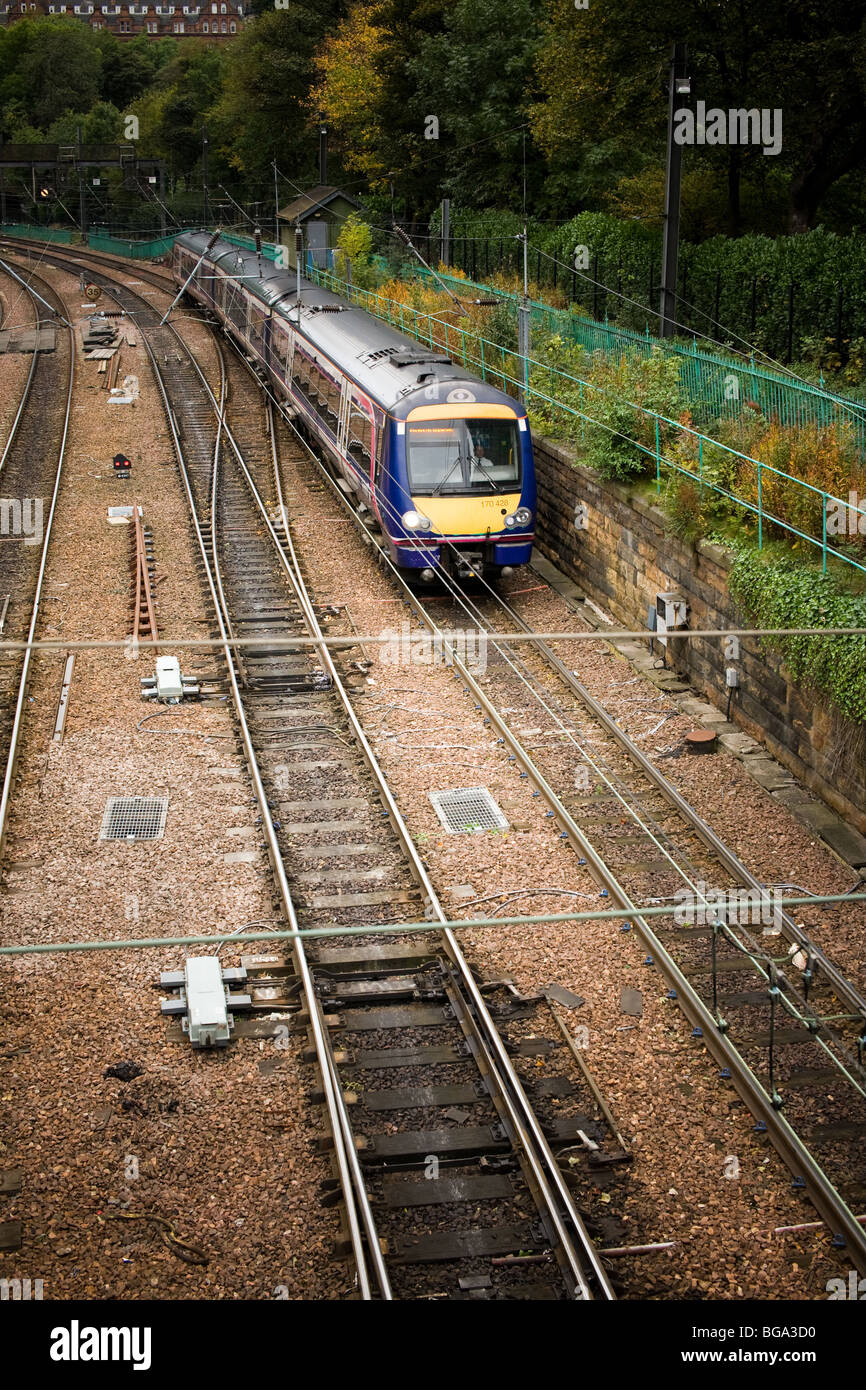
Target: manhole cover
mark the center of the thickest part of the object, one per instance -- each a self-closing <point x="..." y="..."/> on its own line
<point x="466" y="809"/>
<point x="701" y="741"/>
<point x="134" y="818"/>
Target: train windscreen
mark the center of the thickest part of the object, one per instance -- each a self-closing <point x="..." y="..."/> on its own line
<point x="462" y="456"/>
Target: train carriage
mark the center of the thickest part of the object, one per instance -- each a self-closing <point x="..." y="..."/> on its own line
<point x="441" y="459"/>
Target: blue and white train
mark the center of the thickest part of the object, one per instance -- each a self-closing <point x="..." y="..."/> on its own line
<point x="442" y="460"/>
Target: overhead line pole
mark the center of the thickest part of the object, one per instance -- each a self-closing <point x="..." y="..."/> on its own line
<point x="679" y="86"/>
<point x="213" y="241"/>
<point x="204" y="172"/>
<point x="276" y="205"/>
<point x="524" y="321"/>
<point x="398" y="232"/>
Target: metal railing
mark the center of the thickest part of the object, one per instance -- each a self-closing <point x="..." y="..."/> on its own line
<point x="97" y="241"/>
<point x="716" y="385"/>
<point x="506" y="368"/>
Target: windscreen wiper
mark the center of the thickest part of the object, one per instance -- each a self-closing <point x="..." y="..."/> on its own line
<point x="439" y="486"/>
<point x="484" y="465"/>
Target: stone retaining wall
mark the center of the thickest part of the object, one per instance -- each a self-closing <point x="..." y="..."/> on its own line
<point x="626" y="556"/>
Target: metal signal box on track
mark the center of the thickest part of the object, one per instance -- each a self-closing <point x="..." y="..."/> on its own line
<point x="204" y="999"/>
<point x="168" y="686"/>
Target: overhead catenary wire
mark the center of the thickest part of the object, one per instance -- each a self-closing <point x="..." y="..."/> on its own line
<point x="48" y="644"/>
<point x="552" y="919"/>
<point x="605" y="778"/>
<point x="630" y="810"/>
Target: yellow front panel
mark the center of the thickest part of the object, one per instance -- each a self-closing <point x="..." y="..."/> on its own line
<point x="467" y="516"/>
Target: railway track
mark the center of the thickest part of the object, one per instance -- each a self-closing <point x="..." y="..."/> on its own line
<point x="446" y="1165"/>
<point x="788" y="1030"/>
<point x="143" y="601"/>
<point x="84" y="258"/>
<point x="31" y="468"/>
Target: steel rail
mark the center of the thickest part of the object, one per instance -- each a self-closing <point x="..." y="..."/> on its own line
<point x="22" y="404"/>
<point x="15" y="736"/>
<point x="827" y="1200"/>
<point x="540" y="1157"/>
<point x="750" y="948"/>
<point x="142" y="586"/>
<point x="358" y="1183"/>
<point x="217" y="571"/>
<point x="100" y="259"/>
<point x="521" y="1115"/>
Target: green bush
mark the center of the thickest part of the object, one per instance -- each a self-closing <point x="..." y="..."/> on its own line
<point x="616" y="438"/>
<point x="787" y="593"/>
<point x="685" y="503"/>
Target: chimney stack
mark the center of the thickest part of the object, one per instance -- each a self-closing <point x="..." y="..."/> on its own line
<point x="323" y="154"/>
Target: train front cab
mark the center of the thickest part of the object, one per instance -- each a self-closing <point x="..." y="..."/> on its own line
<point x="459" y="489"/>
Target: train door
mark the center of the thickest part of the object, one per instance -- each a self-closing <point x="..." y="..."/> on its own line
<point x="345" y="414"/>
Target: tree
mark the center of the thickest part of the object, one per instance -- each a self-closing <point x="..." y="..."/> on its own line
<point x="49" y="66"/>
<point x="369" y="95"/>
<point x="603" y="110"/>
<point x="189" y="86"/>
<point x="825" y="112"/>
<point x="349" y="90"/>
<point x="477" y="76"/>
<point x="99" y="126"/>
<point x="354" y="245"/>
<point x="129" y="68"/>
<point x="264" y="110"/>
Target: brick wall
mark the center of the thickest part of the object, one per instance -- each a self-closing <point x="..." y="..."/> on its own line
<point x="626" y="556"/>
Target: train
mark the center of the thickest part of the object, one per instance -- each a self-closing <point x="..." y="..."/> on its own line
<point x="442" y="461"/>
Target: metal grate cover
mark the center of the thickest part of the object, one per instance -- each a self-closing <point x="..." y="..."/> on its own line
<point x="467" y="809"/>
<point x="134" y="818"/>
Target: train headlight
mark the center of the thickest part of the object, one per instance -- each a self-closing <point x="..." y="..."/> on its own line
<point x="414" y="521"/>
<point x="510" y="522"/>
<point x="521" y="517"/>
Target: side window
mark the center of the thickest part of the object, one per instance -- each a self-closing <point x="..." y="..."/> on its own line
<point x="282" y="350"/>
<point x="239" y="308"/>
<point x="360" y="432"/>
<point x="257" y="326"/>
<point x="380" y="444"/>
<point x="321" y="388"/>
<point x="333" y="404"/>
<point x="302" y="373"/>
